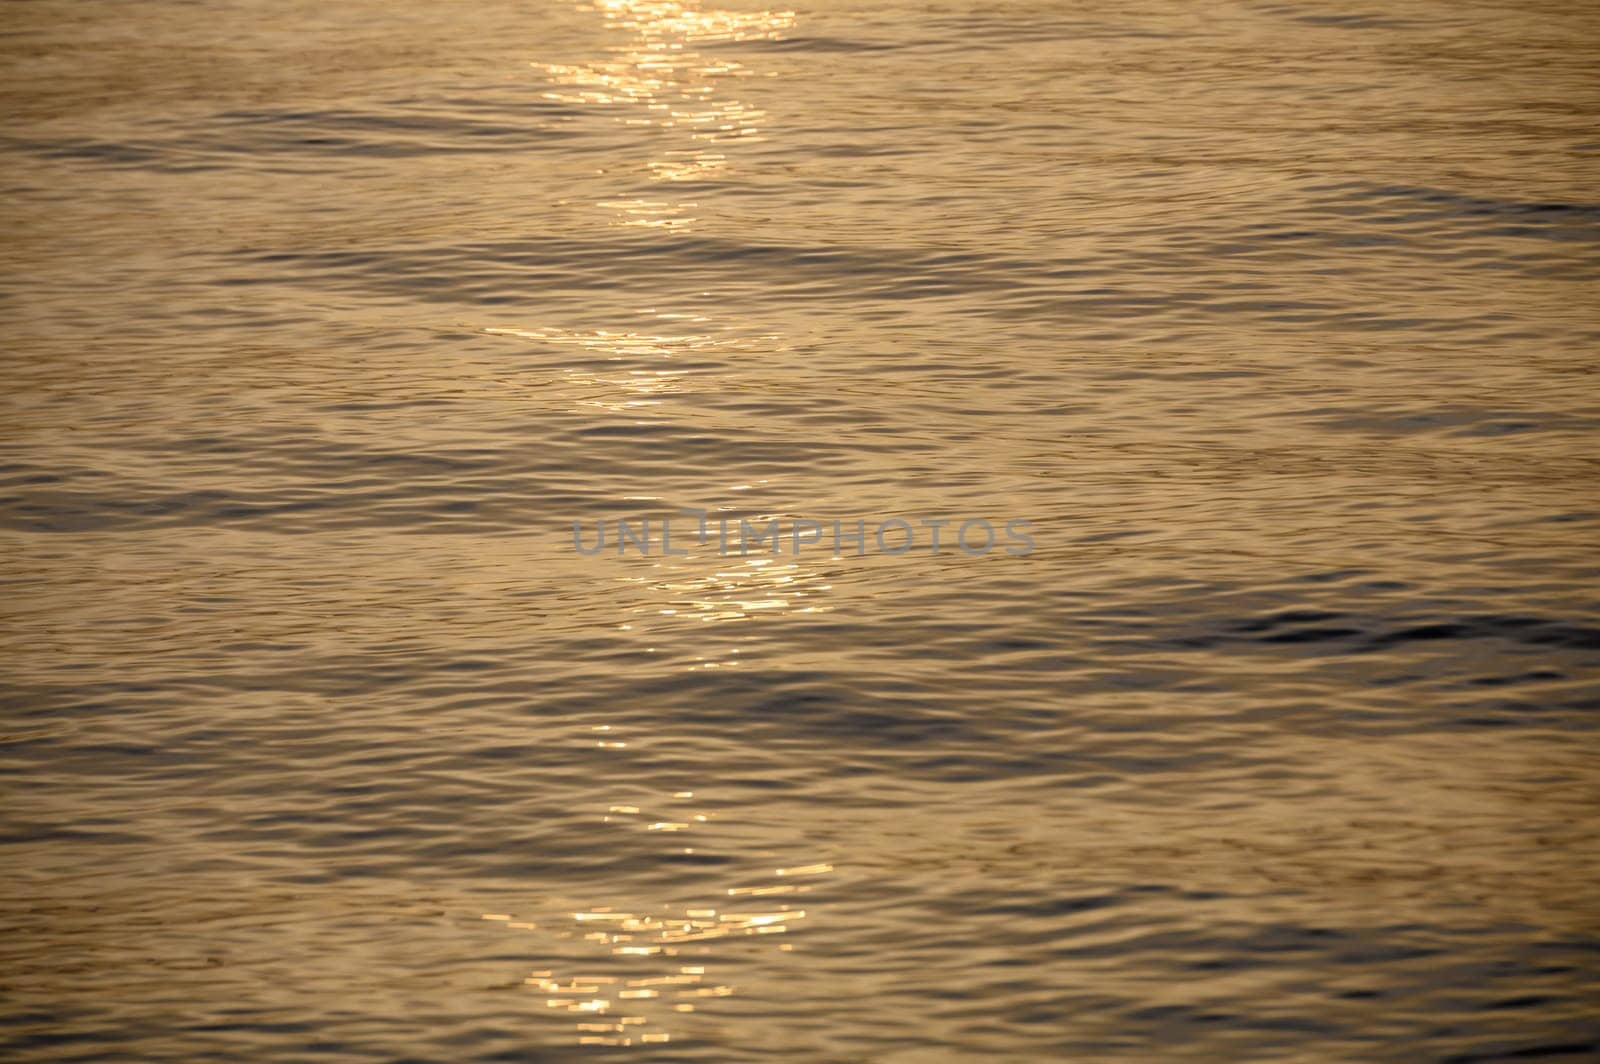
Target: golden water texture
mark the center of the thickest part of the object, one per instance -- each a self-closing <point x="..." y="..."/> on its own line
<point x="323" y="322"/>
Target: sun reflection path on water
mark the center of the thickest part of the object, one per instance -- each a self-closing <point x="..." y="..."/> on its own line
<point x="661" y="79"/>
<point x="653" y="965"/>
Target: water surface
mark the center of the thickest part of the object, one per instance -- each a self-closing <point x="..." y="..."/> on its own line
<point x="324" y="322"/>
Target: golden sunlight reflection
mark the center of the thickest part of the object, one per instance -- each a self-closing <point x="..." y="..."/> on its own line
<point x="639" y="982"/>
<point x="711" y="582"/>
<point x="732" y="589"/>
<point x="636" y="387"/>
<point x="662" y="81"/>
<point x="650" y="213"/>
